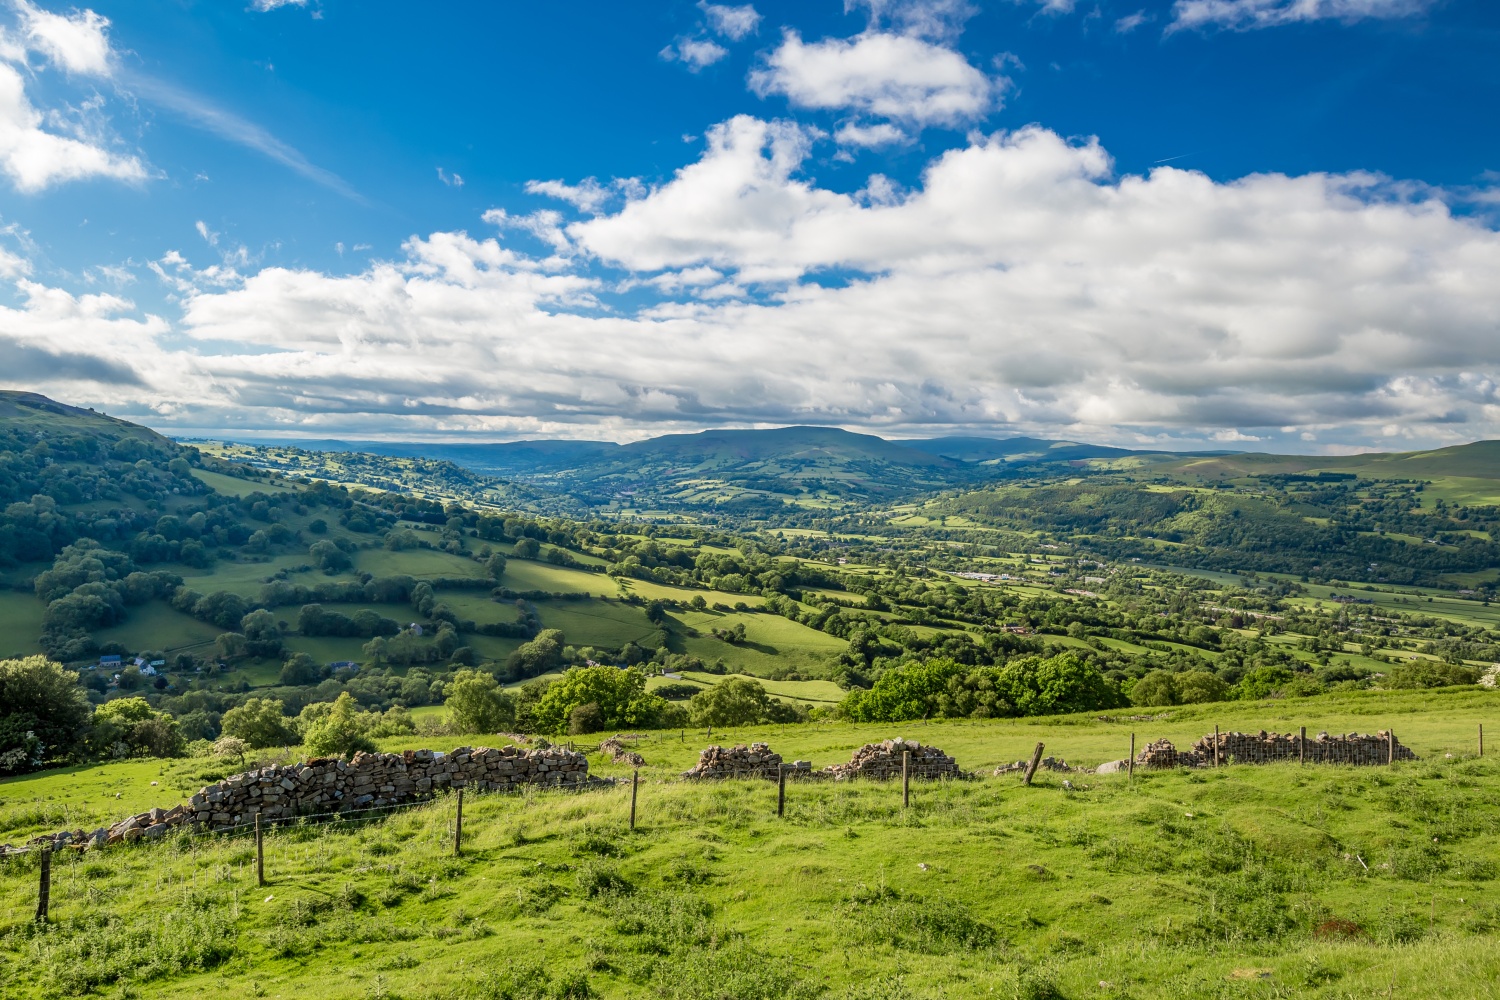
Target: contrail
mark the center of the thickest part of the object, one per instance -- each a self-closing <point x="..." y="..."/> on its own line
<point x="230" y="126"/>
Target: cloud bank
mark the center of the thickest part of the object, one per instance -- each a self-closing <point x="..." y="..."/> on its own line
<point x="1022" y="286"/>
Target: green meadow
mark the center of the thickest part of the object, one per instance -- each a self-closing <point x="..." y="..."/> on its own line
<point x="1256" y="882"/>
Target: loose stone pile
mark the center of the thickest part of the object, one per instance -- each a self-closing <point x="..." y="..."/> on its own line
<point x="883" y="760"/>
<point x="753" y="761"/>
<point x="1047" y="764"/>
<point x="330" y="785"/>
<point x="616" y="751"/>
<point x="1261" y="748"/>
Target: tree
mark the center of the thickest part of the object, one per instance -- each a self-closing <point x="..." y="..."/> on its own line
<point x="1057" y="684"/>
<point x="1155" y="689"/>
<point x="585" y="719"/>
<point x="1199" y="686"/>
<point x="476" y="704"/>
<point x="339" y="733"/>
<point x="231" y="746"/>
<point x="538" y="656"/>
<point x="131" y="727"/>
<point x="44" y="712"/>
<point x="329" y="557"/>
<point x="525" y="548"/>
<point x="495" y="566"/>
<point x="300" y="670"/>
<point x="620" y="694"/>
<point x="736" y="701"/>
<point x="260" y="722"/>
<point x="910" y="692"/>
<point x="1262" y="682"/>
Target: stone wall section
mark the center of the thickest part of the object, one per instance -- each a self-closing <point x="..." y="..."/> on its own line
<point x="753" y="761"/>
<point x="1359" y="749"/>
<point x="883" y="760"/>
<point x="325" y="785"/>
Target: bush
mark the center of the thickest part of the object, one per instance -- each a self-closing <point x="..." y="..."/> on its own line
<point x="260" y="722"/>
<point x="1429" y="674"/>
<point x="341" y="732"/>
<point x="588" y="718"/>
<point x="476" y="704"/>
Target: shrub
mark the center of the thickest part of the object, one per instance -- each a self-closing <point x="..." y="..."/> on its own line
<point x="339" y="733"/>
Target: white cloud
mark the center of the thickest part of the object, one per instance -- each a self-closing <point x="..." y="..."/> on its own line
<point x="36" y="159"/>
<point x="77" y="43"/>
<point x="451" y="180"/>
<point x="869" y="136"/>
<point x="588" y="195"/>
<point x="209" y="236"/>
<point x="267" y="5"/>
<point x="899" y="77"/>
<point x="1130" y="22"/>
<point x="1021" y="286"/>
<point x="695" y="53"/>
<point x="938" y="20"/>
<point x="734" y="23"/>
<point x="1244" y="15"/>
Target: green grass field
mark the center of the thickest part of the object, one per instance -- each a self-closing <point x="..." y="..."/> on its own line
<point x="809" y="693"/>
<point x="158" y="626"/>
<point x="416" y="562"/>
<point x="596" y="623"/>
<point x="771" y="642"/>
<point x="20" y="622"/>
<point x="1244" y="882"/>
<point x="527" y="574"/>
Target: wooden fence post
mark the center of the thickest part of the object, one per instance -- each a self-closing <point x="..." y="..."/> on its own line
<point x="1481" y="739"/>
<point x="458" y="825"/>
<point x="780" y="789"/>
<point x="635" y="781"/>
<point x="1390" y="747"/>
<point x="1302" y="746"/>
<point x="1216" y="745"/>
<point x="1130" y="767"/>
<point x="905" y="778"/>
<point x="44" y="891"/>
<point x="260" y="854"/>
<point x="1036" y="759"/>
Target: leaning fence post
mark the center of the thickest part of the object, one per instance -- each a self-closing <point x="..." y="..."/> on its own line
<point x="44" y="890"/>
<point x="780" y="789"/>
<point x="1036" y="758"/>
<point x="905" y="778"/>
<point x="458" y="825"/>
<point x="1302" y="746"/>
<point x="1130" y="767"/>
<point x="635" y="780"/>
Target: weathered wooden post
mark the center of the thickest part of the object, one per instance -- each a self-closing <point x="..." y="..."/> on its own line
<point x="1130" y="767"/>
<point x="1036" y="759"/>
<point x="1390" y="747"/>
<point x="635" y="781"/>
<point x="44" y="890"/>
<point x="260" y="854"/>
<point x="1216" y="745"/>
<point x="1481" y="739"/>
<point x="1302" y="746"/>
<point x="905" y="778"/>
<point x="458" y="825"/>
<point x="780" y="789"/>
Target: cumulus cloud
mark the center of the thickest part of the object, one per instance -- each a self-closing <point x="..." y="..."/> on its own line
<point x="898" y="77"/>
<point x="35" y="158"/>
<point x="734" y="23"/>
<point x="1022" y="286"/>
<point x="694" y="53"/>
<point x="77" y="42"/>
<point x="938" y="20"/>
<point x="1245" y="15"/>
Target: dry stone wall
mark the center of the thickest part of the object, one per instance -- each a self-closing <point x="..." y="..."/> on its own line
<point x="1263" y="748"/>
<point x="325" y="785"/>
<point x="753" y="761"/>
<point x="883" y="760"/>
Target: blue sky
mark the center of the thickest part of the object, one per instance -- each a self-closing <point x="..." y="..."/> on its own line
<point x="1258" y="222"/>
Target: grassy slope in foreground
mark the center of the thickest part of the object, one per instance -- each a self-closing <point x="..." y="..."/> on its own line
<point x="1182" y="885"/>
